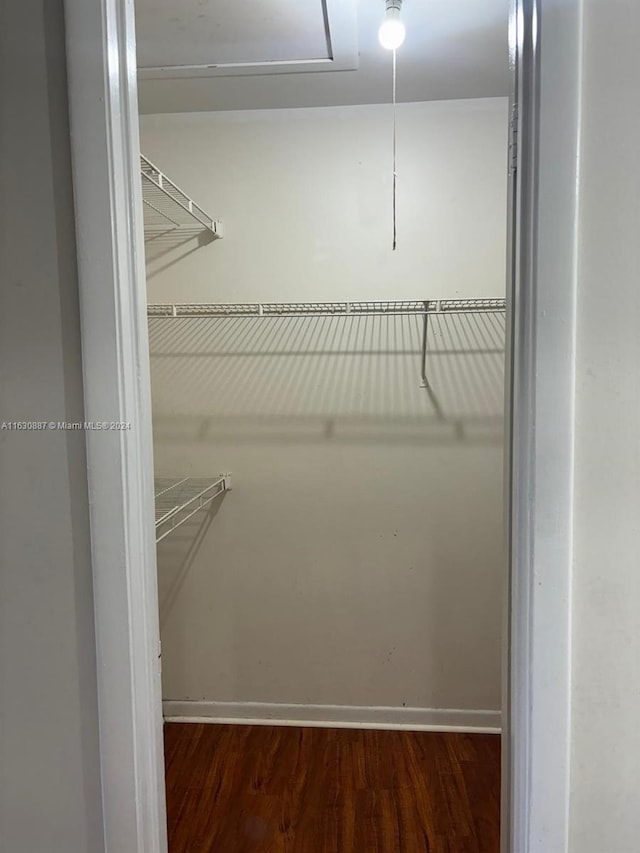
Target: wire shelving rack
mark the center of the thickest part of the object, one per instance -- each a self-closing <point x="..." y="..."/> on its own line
<point x="167" y="208"/>
<point x="177" y="500"/>
<point x="427" y="310"/>
<point x="328" y="309"/>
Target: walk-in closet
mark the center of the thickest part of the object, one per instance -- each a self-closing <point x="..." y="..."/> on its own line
<point x="325" y="239"/>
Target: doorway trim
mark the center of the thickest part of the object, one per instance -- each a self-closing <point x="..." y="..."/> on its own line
<point x="105" y="148"/>
<point x="541" y="305"/>
<point x="105" y="152"/>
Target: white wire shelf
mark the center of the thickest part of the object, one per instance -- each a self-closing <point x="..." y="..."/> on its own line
<point x="167" y="207"/>
<point x="177" y="500"/>
<point x="328" y="309"/>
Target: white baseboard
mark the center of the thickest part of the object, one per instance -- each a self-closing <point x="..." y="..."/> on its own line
<point x="333" y="716"/>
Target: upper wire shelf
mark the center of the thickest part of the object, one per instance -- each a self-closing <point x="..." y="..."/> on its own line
<point x="428" y="310"/>
<point x="328" y="309"/>
<point x="167" y="207"/>
<point x="177" y="500"/>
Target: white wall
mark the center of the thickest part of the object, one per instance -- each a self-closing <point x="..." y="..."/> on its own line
<point x="305" y="200"/>
<point x="49" y="759"/>
<point x="358" y="560"/>
<point x="606" y="581"/>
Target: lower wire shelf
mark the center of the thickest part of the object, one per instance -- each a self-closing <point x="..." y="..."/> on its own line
<point x="177" y="500"/>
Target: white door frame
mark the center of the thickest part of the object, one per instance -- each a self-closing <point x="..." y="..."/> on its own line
<point x="540" y="425"/>
<point x="105" y="148"/>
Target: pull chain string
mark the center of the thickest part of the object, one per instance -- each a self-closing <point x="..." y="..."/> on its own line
<point x="395" y="174"/>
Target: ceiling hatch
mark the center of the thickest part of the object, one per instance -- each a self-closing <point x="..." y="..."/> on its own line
<point x="209" y="38"/>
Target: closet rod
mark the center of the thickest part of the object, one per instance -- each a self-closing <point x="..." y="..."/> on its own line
<point x="329" y="309"/>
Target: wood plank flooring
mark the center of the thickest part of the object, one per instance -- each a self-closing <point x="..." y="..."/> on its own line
<point x="263" y="789"/>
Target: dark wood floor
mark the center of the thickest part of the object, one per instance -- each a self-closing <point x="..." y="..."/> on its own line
<point x="263" y="789"/>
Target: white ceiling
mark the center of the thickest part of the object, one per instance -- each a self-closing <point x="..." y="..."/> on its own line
<point x="454" y="49"/>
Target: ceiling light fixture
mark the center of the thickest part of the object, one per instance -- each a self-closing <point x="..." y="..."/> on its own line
<point x="392" y="31"/>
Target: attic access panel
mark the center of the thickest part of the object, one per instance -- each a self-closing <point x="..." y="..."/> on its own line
<point x="209" y="38"/>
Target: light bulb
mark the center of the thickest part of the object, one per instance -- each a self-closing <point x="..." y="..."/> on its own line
<point x="392" y="31"/>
